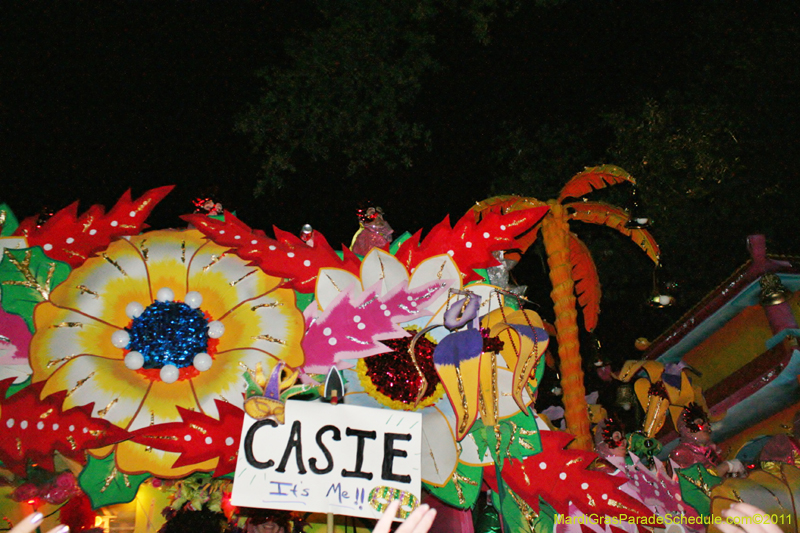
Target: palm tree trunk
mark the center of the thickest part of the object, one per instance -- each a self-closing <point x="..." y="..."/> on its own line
<point x="555" y="234"/>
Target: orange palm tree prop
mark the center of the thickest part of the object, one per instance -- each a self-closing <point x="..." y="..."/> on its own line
<point x="573" y="273"/>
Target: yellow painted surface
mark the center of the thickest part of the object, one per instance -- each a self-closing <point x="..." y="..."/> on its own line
<point x="731" y="347"/>
<point x="780" y="422"/>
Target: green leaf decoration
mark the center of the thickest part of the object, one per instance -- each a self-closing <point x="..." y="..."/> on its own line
<point x="517" y="515"/>
<point x="303" y="300"/>
<point x="546" y="521"/>
<point x="398" y="242"/>
<point x="16" y="387"/>
<point x="105" y="485"/>
<point x="26" y="278"/>
<point x="696" y="483"/>
<point x="8" y="222"/>
<point x="463" y="488"/>
<point x="775" y="489"/>
<point x="518" y="437"/>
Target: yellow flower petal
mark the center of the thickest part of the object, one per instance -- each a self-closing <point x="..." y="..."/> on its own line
<point x="225" y="381"/>
<point x="167" y="255"/>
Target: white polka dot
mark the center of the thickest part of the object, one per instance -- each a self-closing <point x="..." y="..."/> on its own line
<point x="410" y="298"/>
<point x="290" y="254"/>
<point x="92" y="231"/>
<point x="562" y="475"/>
<point x="327" y="332"/>
<point x="40" y="425"/>
<point x="383" y="307"/>
<point x="656" y="493"/>
<point x="503" y="227"/>
<point x="387" y="313"/>
<point x="209" y="440"/>
<point x="307" y="263"/>
<point x="70" y="240"/>
<point x="238" y="237"/>
<point x="254" y="241"/>
<point x="55" y="427"/>
<point x="678" y="496"/>
<point x="10" y="423"/>
<point x="485" y="234"/>
<point x="584" y="486"/>
<point x="114" y="223"/>
<point x="361" y="326"/>
<point x="272" y="247"/>
<point x="132" y="214"/>
<point x="356" y="319"/>
<point x="451" y="253"/>
<point x="48" y="247"/>
<point x="332" y="341"/>
<point x="222" y="232"/>
<point x="228" y="441"/>
<point x="604" y="496"/>
<point x="680" y="507"/>
<point x="542" y="465"/>
<point x="413" y="304"/>
<point x="71" y="427"/>
<point x="468" y="244"/>
<point x="86" y="430"/>
<point x="187" y="438"/>
<point x="23" y="424"/>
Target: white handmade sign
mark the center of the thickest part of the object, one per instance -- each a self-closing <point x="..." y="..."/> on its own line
<point x="340" y="459"/>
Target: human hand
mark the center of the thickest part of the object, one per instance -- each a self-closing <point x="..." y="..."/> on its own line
<point x="419" y="521"/>
<point x="31" y="522"/>
<point x="742" y="514"/>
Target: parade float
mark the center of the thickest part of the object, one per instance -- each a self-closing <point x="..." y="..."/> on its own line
<point x="214" y="367"/>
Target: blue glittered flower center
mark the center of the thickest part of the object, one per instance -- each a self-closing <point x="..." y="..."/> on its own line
<point x="169" y="333"/>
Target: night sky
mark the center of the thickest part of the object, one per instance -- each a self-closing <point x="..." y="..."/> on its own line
<point x="102" y="96"/>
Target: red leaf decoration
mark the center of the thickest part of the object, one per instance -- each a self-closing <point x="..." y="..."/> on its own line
<point x="470" y="243"/>
<point x="615" y="218"/>
<point x="560" y="476"/>
<point x="199" y="437"/>
<point x="33" y="429"/>
<point x="286" y="256"/>
<point x="587" y="282"/>
<point x="594" y="178"/>
<point x="72" y="239"/>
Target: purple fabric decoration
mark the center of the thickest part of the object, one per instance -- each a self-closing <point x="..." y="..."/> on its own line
<point x="458" y="347"/>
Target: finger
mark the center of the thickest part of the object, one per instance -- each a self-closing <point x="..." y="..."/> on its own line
<point x="60" y="528"/>
<point x="28" y="524"/>
<point x="744" y="516"/>
<point x="385" y="522"/>
<point x="426" y="522"/>
<point x="413" y="519"/>
<point x="725" y="527"/>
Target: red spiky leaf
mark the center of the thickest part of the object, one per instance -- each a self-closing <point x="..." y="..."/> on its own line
<point x="587" y="282"/>
<point x="72" y="239"/>
<point x="198" y="437"/>
<point x="560" y="476"/>
<point x="33" y="429"/>
<point x="594" y="178"/>
<point x="286" y="256"/>
<point x="470" y="243"/>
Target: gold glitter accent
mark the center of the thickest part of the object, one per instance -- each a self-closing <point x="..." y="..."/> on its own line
<point x="73" y="253"/>
<point x="183" y="251"/>
<point x="333" y="283"/>
<point x="88" y="223"/>
<point x="698" y="483"/>
<point x="462" y="426"/>
<point x="62" y="360"/>
<point x="267" y="338"/>
<point x="102" y="412"/>
<point x="214" y="260"/>
<point x="383" y="271"/>
<point x="127" y="226"/>
<point x="592" y="503"/>
<point x="46" y="413"/>
<point x="114" y="264"/>
<point x="3" y="338"/>
<point x="86" y="290"/>
<point x="529" y="514"/>
<point x="109" y="479"/>
<point x="514" y="429"/>
<point x="619" y="505"/>
<point x="79" y="383"/>
<point x="271" y="304"/>
<point x="71" y="441"/>
<point x="126" y="480"/>
<point x="2" y="218"/>
<point x="497" y="440"/>
<point x="145" y="250"/>
<point x="19" y="446"/>
<point x="24" y="268"/>
<point x="458" y="479"/>
<point x="234" y="283"/>
<point x="68" y="325"/>
<point x="441" y="270"/>
<point x="199" y="428"/>
<point x="248" y="370"/>
<point x="574" y="461"/>
<point x="143" y="205"/>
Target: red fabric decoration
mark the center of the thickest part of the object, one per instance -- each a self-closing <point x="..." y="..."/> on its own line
<point x="470" y="243"/>
<point x="33" y="429"/>
<point x="560" y="476"/>
<point x="78" y="514"/>
<point x="199" y="437"/>
<point x="286" y="256"/>
<point x="70" y="239"/>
